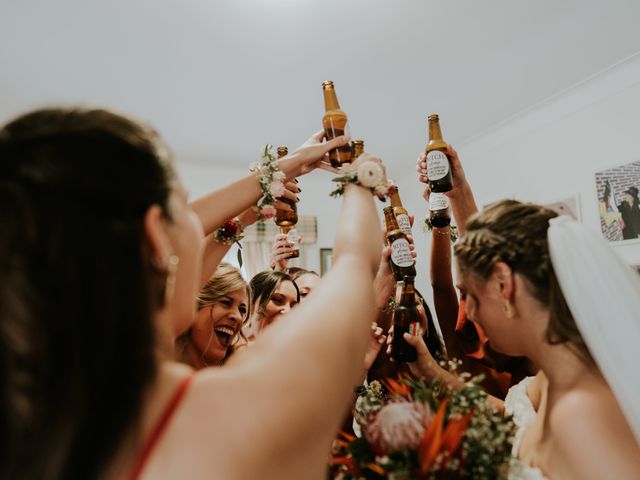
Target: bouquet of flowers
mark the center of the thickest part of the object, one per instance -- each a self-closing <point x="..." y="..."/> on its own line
<point x="411" y="430"/>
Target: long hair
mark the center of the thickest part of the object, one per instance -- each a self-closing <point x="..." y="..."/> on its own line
<point x="77" y="289"/>
<point x="516" y="233"/>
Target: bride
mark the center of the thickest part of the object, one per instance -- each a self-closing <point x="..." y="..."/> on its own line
<point x="545" y="287"/>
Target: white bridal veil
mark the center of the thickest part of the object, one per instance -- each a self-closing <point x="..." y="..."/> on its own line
<point x="603" y="294"/>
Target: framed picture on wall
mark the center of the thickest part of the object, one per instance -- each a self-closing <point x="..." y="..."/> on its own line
<point x="619" y="203"/>
<point x="326" y="255"/>
<point x="568" y="206"/>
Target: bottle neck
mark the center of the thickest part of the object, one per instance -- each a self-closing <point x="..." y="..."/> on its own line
<point x="395" y="199"/>
<point x="434" y="130"/>
<point x="408" y="297"/>
<point x="330" y="99"/>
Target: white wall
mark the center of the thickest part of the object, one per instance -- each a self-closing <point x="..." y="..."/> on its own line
<point x="545" y="154"/>
<point x="553" y="150"/>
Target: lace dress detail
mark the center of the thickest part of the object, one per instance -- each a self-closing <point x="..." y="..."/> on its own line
<point x="518" y="404"/>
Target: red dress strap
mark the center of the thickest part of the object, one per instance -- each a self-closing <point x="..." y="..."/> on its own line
<point x="159" y="428"/>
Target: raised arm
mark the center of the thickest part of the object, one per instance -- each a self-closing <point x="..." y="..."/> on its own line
<point x="218" y="206"/>
<point x="296" y="379"/>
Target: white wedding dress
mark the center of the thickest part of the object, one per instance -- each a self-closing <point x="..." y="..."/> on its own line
<point x="518" y="404"/>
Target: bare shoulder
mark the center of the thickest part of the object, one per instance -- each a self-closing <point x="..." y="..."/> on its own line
<point x="591" y="435"/>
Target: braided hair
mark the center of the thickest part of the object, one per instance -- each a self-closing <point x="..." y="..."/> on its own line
<point x="516" y="233"/>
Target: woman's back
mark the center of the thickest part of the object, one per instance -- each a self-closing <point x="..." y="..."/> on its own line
<point x="100" y="272"/>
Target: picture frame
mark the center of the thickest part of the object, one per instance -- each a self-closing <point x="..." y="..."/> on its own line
<point x="567" y="206"/>
<point x="617" y="190"/>
<point x="326" y="257"/>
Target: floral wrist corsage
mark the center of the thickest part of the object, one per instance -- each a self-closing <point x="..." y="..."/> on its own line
<point x="369" y="175"/>
<point x="453" y="230"/>
<point x="232" y="231"/>
<point x="271" y="183"/>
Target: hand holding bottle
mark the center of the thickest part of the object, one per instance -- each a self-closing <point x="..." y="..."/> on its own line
<point x="281" y="252"/>
<point x="459" y="179"/>
<point x="310" y="155"/>
<point x="425" y="365"/>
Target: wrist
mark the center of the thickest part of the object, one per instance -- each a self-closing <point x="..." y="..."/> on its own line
<point x="290" y="165"/>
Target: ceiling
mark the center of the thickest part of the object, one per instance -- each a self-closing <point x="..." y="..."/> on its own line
<point x="219" y="78"/>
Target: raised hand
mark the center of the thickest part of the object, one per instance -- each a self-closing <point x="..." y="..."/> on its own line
<point x="378" y="339"/>
<point x="281" y="251"/>
<point x="312" y="154"/>
<point x="459" y="179"/>
<point x="425" y="365"/>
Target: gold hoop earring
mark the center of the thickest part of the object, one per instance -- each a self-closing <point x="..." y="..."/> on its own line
<point x="508" y="309"/>
<point x="170" y="282"/>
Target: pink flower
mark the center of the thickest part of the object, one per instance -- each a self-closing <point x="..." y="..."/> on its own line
<point x="268" y="211"/>
<point x="277" y="189"/>
<point x="399" y="425"/>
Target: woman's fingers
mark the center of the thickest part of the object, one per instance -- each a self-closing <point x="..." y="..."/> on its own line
<point x="280" y="205"/>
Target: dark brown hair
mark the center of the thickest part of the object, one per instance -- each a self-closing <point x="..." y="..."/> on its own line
<point x="516" y="233"/>
<point x="263" y="285"/>
<point x="78" y="291"/>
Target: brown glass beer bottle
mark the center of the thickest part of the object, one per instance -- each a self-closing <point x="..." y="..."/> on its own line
<point x="405" y="320"/>
<point x="287" y="219"/>
<point x="334" y="123"/>
<point x="438" y="166"/>
<point x="439" y="215"/>
<point x="402" y="216"/>
<point x="357" y="149"/>
<point x="401" y="260"/>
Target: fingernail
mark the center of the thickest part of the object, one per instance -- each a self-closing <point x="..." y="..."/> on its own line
<point x="299" y="190"/>
<point x="297" y="199"/>
<point x="295" y="180"/>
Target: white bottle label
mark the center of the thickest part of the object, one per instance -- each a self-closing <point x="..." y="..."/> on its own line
<point x="404" y="223"/>
<point x="438" y="201"/>
<point x="293" y="237"/>
<point x="437" y="165"/>
<point x="401" y="253"/>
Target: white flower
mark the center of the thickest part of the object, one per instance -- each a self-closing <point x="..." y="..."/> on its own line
<point x="277" y="189"/>
<point x="370" y="174"/>
<point x="279" y="176"/>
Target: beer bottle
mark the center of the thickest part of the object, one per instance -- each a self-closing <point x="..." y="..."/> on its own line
<point x="439" y="215"/>
<point x="357" y="148"/>
<point x="401" y="260"/>
<point x="438" y="166"/>
<point x="405" y="320"/>
<point x="334" y="123"/>
<point x="287" y="219"/>
<point x="402" y="216"/>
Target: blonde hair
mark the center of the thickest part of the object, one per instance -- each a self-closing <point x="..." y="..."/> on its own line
<point x="225" y="280"/>
<point x="516" y="233"/>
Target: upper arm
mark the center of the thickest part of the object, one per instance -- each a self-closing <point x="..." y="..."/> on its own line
<point x="294" y="383"/>
<point x="592" y="438"/>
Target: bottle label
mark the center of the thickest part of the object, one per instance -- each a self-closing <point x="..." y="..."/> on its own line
<point x="293" y="237"/>
<point x="414" y="328"/>
<point x="437" y="165"/>
<point x="438" y="201"/>
<point x="401" y="253"/>
<point x="404" y="223"/>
